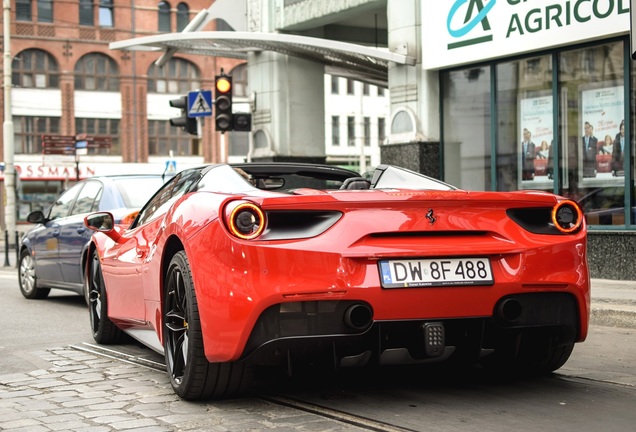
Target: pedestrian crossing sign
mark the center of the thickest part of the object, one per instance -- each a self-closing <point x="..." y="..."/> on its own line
<point x="200" y="103"/>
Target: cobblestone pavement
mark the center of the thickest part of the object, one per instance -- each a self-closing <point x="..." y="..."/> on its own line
<point x="86" y="392"/>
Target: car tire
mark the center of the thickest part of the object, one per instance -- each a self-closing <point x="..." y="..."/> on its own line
<point x="104" y="330"/>
<point x="191" y="375"/>
<point x="28" y="280"/>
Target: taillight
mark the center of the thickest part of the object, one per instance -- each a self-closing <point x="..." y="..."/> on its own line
<point x="245" y="220"/>
<point x="567" y="216"/>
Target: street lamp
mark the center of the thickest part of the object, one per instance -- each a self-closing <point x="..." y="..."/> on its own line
<point x="7" y="129"/>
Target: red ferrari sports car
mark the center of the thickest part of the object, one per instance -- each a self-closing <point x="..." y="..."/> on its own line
<point x="232" y="266"/>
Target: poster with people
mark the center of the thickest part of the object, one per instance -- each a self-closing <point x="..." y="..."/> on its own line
<point x="602" y="129"/>
<point x="535" y="138"/>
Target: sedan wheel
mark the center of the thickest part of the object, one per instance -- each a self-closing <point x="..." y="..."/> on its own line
<point x="104" y="331"/>
<point x="191" y="375"/>
<point x="27" y="279"/>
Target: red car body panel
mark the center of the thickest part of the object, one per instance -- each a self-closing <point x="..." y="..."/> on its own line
<point x="236" y="280"/>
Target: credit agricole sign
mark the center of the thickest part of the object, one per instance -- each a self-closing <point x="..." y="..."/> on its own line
<point x="456" y="32"/>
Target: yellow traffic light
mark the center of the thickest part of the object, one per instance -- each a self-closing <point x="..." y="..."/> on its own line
<point x="223" y="85"/>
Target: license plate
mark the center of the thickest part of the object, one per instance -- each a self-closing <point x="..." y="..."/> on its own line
<point x="435" y="272"/>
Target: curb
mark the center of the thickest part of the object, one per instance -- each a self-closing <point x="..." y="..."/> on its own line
<point x="603" y="312"/>
<point x="609" y="316"/>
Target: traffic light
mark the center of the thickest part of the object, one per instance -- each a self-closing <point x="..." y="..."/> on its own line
<point x="223" y="103"/>
<point x="189" y="124"/>
<point x="242" y="122"/>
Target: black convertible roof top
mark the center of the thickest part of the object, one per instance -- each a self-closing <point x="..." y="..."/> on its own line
<point x="257" y="169"/>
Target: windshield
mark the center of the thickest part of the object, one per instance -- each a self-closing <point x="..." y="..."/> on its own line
<point x="392" y="177"/>
<point x="136" y="191"/>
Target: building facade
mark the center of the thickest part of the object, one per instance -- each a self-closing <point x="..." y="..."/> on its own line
<point x="541" y="97"/>
<point x="504" y="95"/>
<point x="67" y="82"/>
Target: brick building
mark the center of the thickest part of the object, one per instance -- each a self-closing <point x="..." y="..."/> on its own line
<point x="66" y="81"/>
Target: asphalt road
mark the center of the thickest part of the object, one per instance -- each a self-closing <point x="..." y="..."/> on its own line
<point x="595" y="390"/>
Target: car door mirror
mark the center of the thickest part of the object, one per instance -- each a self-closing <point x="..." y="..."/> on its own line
<point x="36" y="217"/>
<point x="102" y="221"/>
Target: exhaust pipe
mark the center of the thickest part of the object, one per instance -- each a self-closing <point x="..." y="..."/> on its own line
<point x="509" y="310"/>
<point x="358" y="316"/>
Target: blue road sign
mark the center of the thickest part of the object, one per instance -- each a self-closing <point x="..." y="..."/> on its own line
<point x="200" y="103"/>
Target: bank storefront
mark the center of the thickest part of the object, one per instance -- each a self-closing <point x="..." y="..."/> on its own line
<point x="540" y="95"/>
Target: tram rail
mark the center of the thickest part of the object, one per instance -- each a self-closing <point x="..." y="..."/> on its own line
<point x="283" y="400"/>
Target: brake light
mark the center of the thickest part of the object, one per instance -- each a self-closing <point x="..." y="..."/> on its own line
<point x="246" y="221"/>
<point x="567" y="216"/>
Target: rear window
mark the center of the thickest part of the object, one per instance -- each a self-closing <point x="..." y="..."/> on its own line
<point x="137" y="191"/>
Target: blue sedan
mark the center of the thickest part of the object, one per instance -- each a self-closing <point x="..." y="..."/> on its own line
<point x="53" y="252"/>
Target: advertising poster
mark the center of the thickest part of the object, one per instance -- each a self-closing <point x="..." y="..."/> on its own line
<point x="535" y="140"/>
<point x="602" y="112"/>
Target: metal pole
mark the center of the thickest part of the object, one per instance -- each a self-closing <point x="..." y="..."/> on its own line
<point x="7" y="129"/>
<point x="6" y="249"/>
<point x="17" y="249"/>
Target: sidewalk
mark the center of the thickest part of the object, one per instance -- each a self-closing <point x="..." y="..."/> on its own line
<point x="613" y="301"/>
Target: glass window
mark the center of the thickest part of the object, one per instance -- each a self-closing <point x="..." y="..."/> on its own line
<point x="163" y="138"/>
<point x="45" y="11"/>
<point x="37" y="195"/>
<point x="183" y="16"/>
<point x="106" y="17"/>
<point x="367" y="131"/>
<point x="351" y="131"/>
<point x="525" y="133"/>
<point x="365" y="89"/>
<point x="335" y="130"/>
<point x="23" y="10"/>
<point x="106" y="130"/>
<point x="466" y="128"/>
<point x="88" y="198"/>
<point x="591" y="92"/>
<point x="34" y="68"/>
<point x="86" y="16"/>
<point x="164" y="16"/>
<point x="134" y="191"/>
<point x="335" y="85"/>
<point x="239" y="80"/>
<point x="350" y="86"/>
<point x="381" y="130"/>
<point x="28" y="132"/>
<point x="62" y="206"/>
<point x="629" y="166"/>
<point x="178" y="186"/>
<point x="178" y="76"/>
<point x="96" y="71"/>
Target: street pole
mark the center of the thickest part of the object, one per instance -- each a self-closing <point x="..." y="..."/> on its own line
<point x="7" y="129"/>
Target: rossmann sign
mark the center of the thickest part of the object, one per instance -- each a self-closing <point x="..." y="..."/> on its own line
<point x="457" y="32"/>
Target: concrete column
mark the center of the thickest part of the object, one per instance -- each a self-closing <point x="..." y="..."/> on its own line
<point x="288" y="108"/>
<point x="413" y="128"/>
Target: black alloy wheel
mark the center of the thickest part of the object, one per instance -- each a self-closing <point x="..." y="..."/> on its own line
<point x="104" y="330"/>
<point x="191" y="375"/>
